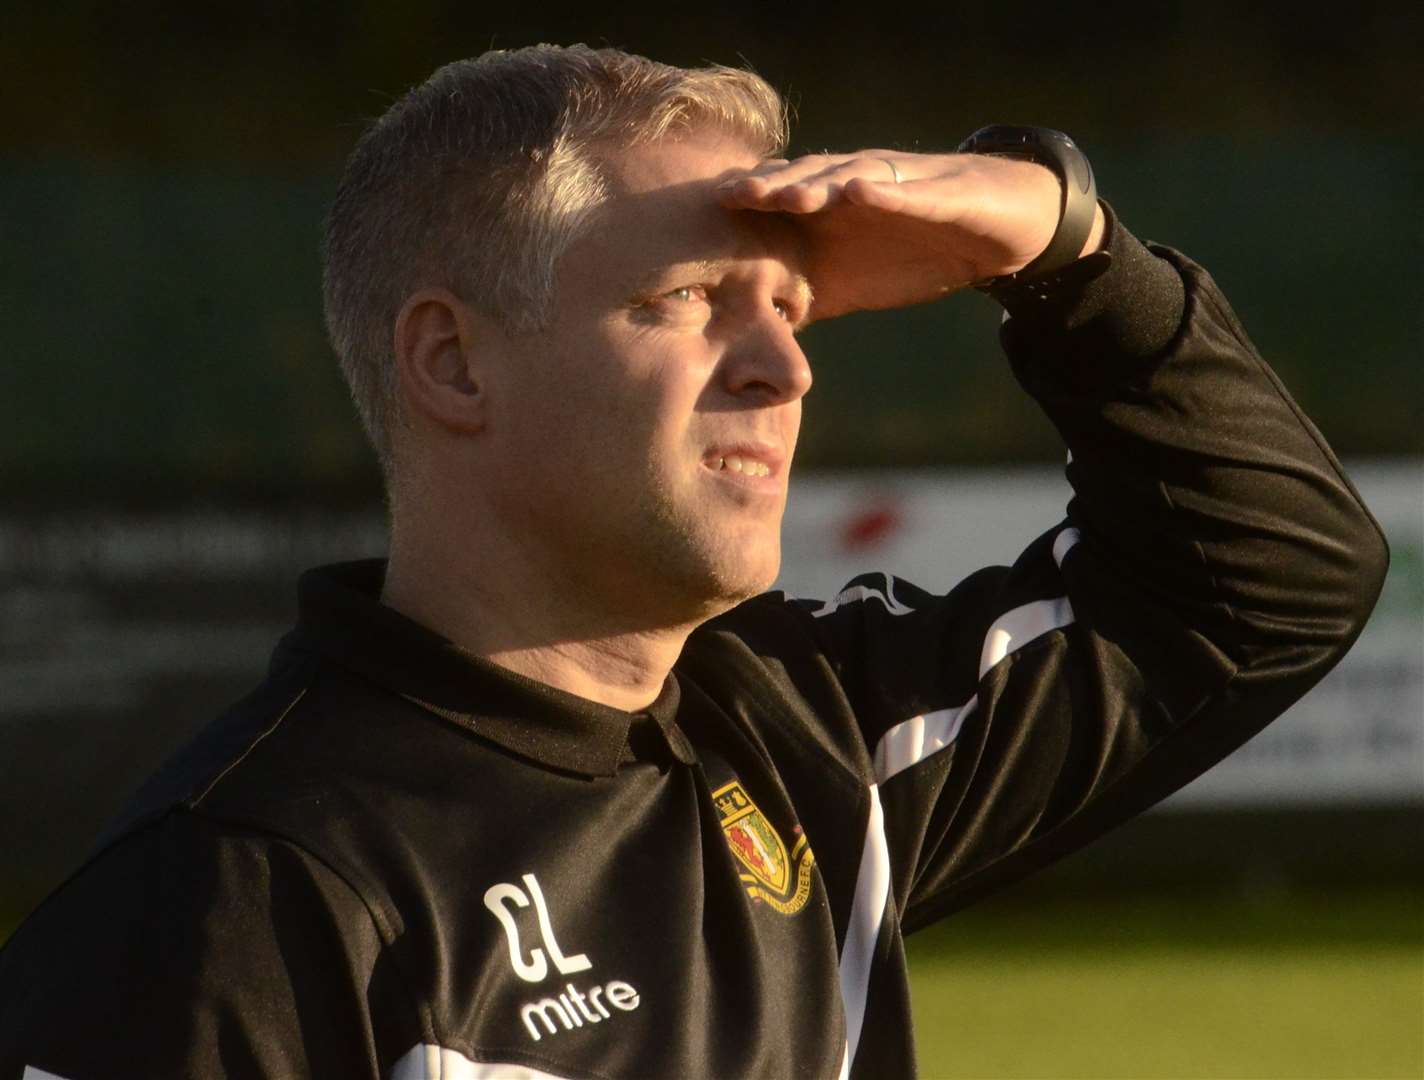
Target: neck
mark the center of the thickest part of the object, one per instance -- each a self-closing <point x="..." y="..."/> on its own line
<point x="526" y="619"/>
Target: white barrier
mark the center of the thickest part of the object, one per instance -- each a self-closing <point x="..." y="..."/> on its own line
<point x="1357" y="737"/>
<point x="67" y="645"/>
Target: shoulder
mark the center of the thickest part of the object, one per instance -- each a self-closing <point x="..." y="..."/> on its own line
<point x="180" y="935"/>
<point x="308" y="765"/>
<point x="180" y="869"/>
<point x="220" y="747"/>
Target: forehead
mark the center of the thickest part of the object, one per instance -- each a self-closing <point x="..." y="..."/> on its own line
<point x="662" y="211"/>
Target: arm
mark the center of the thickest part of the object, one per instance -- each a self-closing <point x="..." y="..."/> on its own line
<point x="1215" y="562"/>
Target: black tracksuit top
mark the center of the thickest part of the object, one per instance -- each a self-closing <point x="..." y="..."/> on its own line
<point x="396" y="860"/>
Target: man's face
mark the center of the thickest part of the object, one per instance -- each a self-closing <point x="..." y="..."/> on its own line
<point x="643" y="442"/>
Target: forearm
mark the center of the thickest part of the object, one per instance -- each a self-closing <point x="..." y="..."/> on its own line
<point x="1193" y="470"/>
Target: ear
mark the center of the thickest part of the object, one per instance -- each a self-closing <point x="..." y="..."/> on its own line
<point x="439" y="346"/>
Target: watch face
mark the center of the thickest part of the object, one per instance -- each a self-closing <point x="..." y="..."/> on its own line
<point x="1010" y="140"/>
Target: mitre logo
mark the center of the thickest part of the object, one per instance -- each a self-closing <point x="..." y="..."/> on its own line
<point x="566" y="1008"/>
<point x="770" y="874"/>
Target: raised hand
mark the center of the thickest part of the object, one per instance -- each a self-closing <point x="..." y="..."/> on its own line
<point x="887" y="229"/>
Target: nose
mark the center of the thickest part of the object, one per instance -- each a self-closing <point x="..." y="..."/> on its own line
<point x="766" y="363"/>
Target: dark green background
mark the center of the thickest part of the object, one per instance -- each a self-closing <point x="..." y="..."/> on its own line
<point x="164" y="170"/>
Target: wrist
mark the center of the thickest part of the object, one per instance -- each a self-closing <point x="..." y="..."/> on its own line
<point x="1101" y="319"/>
<point x="1081" y="224"/>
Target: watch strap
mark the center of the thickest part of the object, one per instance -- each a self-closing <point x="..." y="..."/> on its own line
<point x="1058" y="152"/>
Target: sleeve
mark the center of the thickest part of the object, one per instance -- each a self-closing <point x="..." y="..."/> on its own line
<point x="193" y="949"/>
<point x="1215" y="562"/>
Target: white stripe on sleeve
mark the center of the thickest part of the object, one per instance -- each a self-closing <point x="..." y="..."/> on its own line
<point x="911" y="741"/>
<point x="1064" y="543"/>
<point x="427" y="1062"/>
<point x="1014" y="629"/>
<point x="915" y="739"/>
<point x="867" y="912"/>
<point x="904" y="745"/>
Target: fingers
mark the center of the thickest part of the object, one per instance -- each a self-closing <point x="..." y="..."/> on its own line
<point x="807" y="184"/>
<point x="930" y="199"/>
<point x="761" y="188"/>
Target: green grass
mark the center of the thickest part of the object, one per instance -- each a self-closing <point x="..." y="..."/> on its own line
<point x="1330" y="986"/>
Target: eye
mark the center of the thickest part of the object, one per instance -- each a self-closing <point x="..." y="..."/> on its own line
<point x="685" y="305"/>
<point x="790" y="311"/>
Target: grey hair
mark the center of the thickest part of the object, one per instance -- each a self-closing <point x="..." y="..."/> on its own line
<point x="480" y="178"/>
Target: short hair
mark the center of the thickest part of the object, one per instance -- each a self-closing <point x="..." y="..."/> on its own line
<point x="480" y="178"/>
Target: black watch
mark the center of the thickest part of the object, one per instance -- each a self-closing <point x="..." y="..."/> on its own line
<point x="1080" y="197"/>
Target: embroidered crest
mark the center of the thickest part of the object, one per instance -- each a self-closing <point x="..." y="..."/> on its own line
<point x="770" y="873"/>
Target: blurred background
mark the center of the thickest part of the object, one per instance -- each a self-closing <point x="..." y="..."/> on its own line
<point x="177" y="444"/>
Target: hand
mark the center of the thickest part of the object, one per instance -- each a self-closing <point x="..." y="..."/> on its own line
<point x="872" y="242"/>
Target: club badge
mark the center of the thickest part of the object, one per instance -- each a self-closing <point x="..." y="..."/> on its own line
<point x="770" y="874"/>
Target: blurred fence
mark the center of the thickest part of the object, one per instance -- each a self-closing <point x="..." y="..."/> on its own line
<point x="121" y="632"/>
<point x="163" y="335"/>
<point x="176" y="444"/>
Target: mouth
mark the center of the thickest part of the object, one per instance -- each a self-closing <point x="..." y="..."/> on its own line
<point x="746" y="462"/>
<point x="746" y="466"/>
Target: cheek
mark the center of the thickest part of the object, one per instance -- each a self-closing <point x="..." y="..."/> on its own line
<point x="651" y="411"/>
<point x="579" y="440"/>
<point x="626" y="406"/>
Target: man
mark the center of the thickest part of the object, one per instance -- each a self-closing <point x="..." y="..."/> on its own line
<point x="558" y="790"/>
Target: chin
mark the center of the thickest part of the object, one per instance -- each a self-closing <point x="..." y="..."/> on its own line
<point x="710" y="586"/>
<point x="710" y="567"/>
<point x="741" y="581"/>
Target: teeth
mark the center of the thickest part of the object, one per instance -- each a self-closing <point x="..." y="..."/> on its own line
<point x="745" y="466"/>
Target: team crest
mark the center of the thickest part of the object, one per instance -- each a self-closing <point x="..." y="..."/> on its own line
<point x="770" y="874"/>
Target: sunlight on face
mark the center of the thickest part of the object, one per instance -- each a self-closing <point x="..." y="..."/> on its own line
<point x="649" y="432"/>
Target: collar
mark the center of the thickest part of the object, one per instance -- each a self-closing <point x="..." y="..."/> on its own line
<point x="341" y="618"/>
